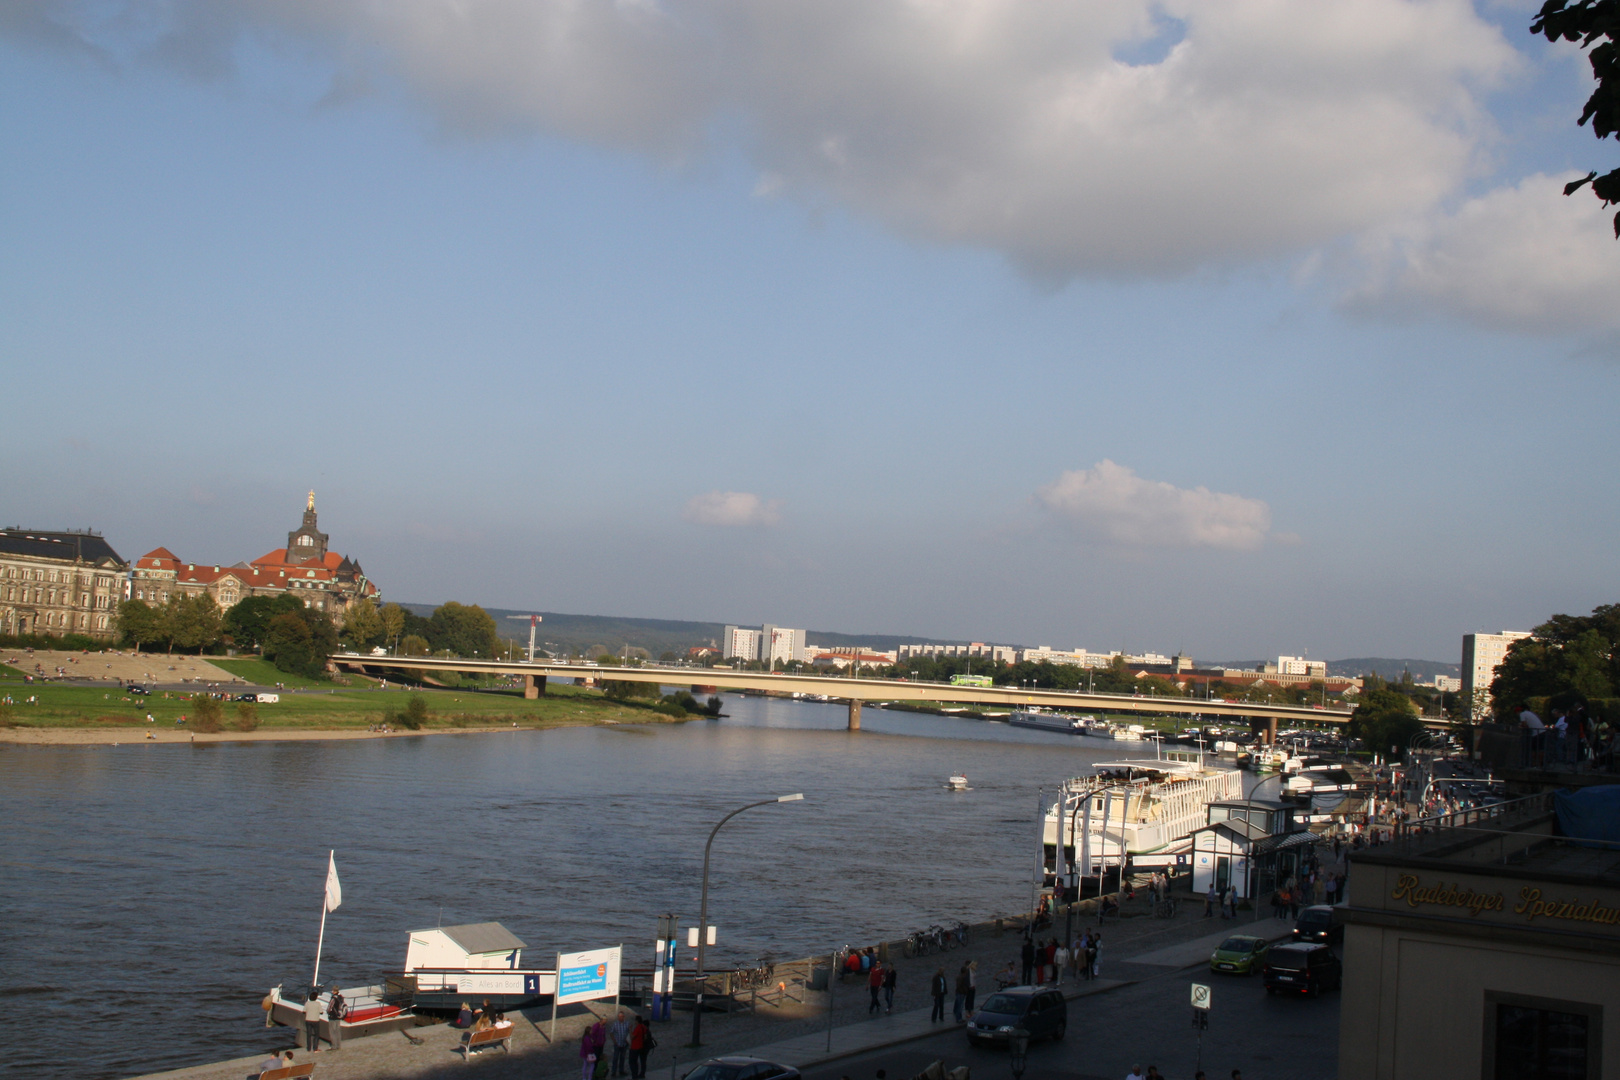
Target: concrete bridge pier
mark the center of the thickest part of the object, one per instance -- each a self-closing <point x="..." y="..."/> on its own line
<point x="533" y="687"/>
<point x="1271" y="731"/>
<point x="854" y="714"/>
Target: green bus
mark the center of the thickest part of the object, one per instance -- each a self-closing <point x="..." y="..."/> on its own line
<point x="971" y="680"/>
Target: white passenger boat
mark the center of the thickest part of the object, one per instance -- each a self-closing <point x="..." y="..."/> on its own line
<point x="957" y="782"/>
<point x="1144" y="810"/>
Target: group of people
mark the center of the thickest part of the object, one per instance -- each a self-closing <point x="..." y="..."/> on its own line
<point x="1573" y="738"/>
<point x="632" y="1041"/>
<point x="479" y="1019"/>
<point x="1049" y="962"/>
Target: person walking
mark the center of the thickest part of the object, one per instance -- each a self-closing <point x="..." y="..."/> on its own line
<point x="334" y="1018"/>
<point x="620" y="1034"/>
<point x="874" y="985"/>
<point x="1230" y="901"/>
<point x="641" y="1044"/>
<point x="890" y="977"/>
<point x="973" y="984"/>
<point x="961" y="994"/>
<point x="1093" y="952"/>
<point x="1209" y="901"/>
<point x="938" y="987"/>
<point x="1027" y="955"/>
<point x="312" y="1020"/>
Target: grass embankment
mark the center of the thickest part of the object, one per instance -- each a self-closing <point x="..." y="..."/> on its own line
<point x="326" y="707"/>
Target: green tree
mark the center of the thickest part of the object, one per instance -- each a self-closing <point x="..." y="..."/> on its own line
<point x="362" y="625"/>
<point x="1383" y="718"/>
<point x="1569" y="658"/>
<point x="205" y="714"/>
<point x="192" y="622"/>
<point x="465" y="629"/>
<point x="1587" y="21"/>
<point x="414" y="645"/>
<point x="301" y="642"/>
<point x="139" y="623"/>
<point x="393" y="622"/>
<point x="248" y="620"/>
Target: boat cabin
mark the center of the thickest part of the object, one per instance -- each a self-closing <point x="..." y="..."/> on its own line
<point x="477" y="946"/>
<point x="1251" y="844"/>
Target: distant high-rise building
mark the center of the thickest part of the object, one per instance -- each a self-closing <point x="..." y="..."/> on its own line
<point x="1481" y="655"/>
<point x="1299" y="665"/>
<point x="778" y="643"/>
<point x="739" y="643"/>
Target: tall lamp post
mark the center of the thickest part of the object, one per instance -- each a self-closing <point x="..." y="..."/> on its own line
<point x="703" y="909"/>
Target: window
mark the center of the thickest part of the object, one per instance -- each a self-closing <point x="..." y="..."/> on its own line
<point x="1528" y="1038"/>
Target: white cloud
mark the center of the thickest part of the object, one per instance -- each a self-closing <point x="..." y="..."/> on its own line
<point x="1519" y="258"/>
<point x="1111" y="504"/>
<point x="738" y="508"/>
<point x="1263" y="128"/>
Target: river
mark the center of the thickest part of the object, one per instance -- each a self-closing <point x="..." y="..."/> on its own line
<point x="152" y="894"/>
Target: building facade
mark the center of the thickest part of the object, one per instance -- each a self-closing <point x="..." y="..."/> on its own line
<point x="59" y="583"/>
<point x="739" y="643"/>
<point x="1481" y="655"/>
<point x="305" y="568"/>
<point x="1483" y="948"/>
<point x="976" y="649"/>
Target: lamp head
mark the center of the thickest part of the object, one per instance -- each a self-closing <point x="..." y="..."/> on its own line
<point x="791" y="798"/>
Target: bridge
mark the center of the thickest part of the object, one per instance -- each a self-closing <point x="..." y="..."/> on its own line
<point x="854" y="691"/>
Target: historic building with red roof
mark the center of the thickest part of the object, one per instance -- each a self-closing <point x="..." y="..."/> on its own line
<point x="306" y="568"/>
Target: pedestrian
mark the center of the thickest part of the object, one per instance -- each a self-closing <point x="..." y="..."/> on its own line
<point x="1209" y="901"/>
<point x="641" y="1044"/>
<point x="334" y="1018"/>
<point x="312" y="1020"/>
<point x="620" y="1034"/>
<point x="1231" y="901"/>
<point x="1153" y="1073"/>
<point x="599" y="1041"/>
<point x="1092" y="953"/>
<point x="938" y="987"/>
<point x="874" y="985"/>
<point x="1060" y="960"/>
<point x="973" y="984"/>
<point x="1135" y="1073"/>
<point x="587" y="1055"/>
<point x="1027" y="955"/>
<point x="961" y="994"/>
<point x="890" y="977"/>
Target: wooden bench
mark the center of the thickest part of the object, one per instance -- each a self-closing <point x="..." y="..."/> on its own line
<point x="291" y="1072"/>
<point x="500" y="1035"/>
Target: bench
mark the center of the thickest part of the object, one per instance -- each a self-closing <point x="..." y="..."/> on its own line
<point x="499" y="1035"/>
<point x="291" y="1072"/>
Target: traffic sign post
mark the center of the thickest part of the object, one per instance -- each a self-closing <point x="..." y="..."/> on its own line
<point x="1200" y="1018"/>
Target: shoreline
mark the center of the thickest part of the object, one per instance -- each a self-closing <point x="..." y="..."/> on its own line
<point x="136" y="736"/>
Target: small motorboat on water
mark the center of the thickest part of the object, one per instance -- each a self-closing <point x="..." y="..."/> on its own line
<point x="957" y="782"/>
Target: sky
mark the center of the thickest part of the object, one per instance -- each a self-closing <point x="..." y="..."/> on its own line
<point x="1236" y="327"/>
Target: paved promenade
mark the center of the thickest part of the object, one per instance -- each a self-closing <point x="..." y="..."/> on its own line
<point x="794" y="1032"/>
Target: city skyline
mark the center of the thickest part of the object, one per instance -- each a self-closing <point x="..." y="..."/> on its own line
<point x="1230" y="329"/>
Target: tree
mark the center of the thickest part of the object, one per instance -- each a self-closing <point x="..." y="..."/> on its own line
<point x="362" y="625"/>
<point x="466" y="630"/>
<point x="1383" y="718"/>
<point x="1569" y="659"/>
<point x="139" y="623"/>
<point x="301" y="642"/>
<point x="393" y="622"/>
<point x="248" y="620"/>
<point x="193" y="621"/>
<point x="1587" y="21"/>
<point x="414" y="645"/>
<point x="205" y="714"/>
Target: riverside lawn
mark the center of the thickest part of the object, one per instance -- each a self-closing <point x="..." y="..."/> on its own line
<point x="310" y="706"/>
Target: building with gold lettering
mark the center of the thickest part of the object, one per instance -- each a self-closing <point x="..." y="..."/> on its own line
<point x="1487" y="947"/>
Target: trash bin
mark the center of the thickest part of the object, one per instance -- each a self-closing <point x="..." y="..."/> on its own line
<point x="819" y="977"/>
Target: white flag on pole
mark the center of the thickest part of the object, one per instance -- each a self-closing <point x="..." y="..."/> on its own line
<point x="334" y="891"/>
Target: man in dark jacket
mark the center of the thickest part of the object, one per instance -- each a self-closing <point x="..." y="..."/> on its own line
<point x="938" y="987"/>
<point x="961" y="994"/>
<point x="1027" y="955"/>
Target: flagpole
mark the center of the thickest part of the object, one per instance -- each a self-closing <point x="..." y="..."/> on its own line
<point x="315" y="980"/>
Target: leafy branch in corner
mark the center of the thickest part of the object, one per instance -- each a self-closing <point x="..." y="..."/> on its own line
<point x="1587" y="21"/>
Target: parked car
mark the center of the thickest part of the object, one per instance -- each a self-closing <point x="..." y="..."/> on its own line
<point x="1038" y="1010"/>
<point x="1239" y="954"/>
<point x="136" y="689"/>
<point x="1301" y="967"/>
<point x="1316" y="923"/>
<point x="741" y="1068"/>
<point x="247" y="697"/>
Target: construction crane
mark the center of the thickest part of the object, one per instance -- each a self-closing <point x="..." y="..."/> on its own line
<point x="534" y="621"/>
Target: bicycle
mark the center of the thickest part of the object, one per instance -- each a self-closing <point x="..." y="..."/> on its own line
<point x="1166" y="908"/>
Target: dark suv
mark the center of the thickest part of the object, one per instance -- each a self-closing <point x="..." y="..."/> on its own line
<point x="1302" y="968"/>
<point x="1316" y="924"/>
<point x="1041" y="1012"/>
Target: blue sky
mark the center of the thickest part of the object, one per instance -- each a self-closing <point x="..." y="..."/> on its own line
<point x="1241" y="328"/>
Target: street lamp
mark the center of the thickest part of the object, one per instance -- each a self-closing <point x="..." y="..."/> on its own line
<point x="703" y="909"/>
<point x="1018" y="1051"/>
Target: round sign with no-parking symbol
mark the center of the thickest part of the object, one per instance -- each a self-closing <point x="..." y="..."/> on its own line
<point x="1200" y="996"/>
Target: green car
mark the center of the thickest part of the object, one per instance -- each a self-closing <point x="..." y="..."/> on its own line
<point x="1238" y="955"/>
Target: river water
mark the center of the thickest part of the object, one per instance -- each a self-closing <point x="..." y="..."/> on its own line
<point x="152" y="894"/>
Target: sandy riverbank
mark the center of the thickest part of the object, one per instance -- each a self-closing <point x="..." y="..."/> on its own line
<point x="137" y="736"/>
